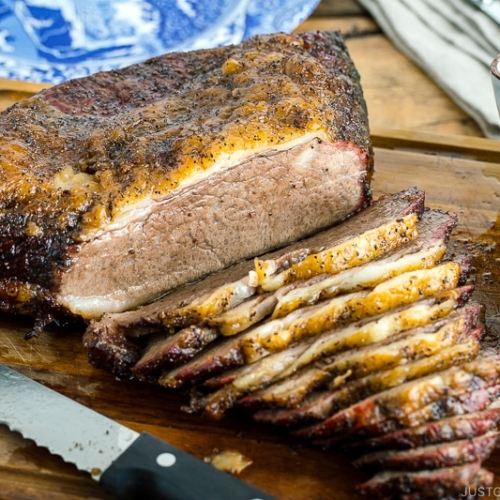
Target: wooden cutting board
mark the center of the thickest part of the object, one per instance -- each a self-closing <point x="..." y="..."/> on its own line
<point x="461" y="174"/>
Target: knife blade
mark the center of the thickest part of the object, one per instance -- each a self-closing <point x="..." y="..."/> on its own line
<point x="490" y="7"/>
<point x="128" y="465"/>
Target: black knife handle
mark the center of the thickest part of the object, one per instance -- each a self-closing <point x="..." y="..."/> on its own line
<point x="152" y="469"/>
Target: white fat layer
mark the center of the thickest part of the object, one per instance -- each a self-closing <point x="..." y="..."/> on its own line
<point x="367" y="275"/>
<point x="283" y="364"/>
<point x="230" y="294"/>
<point x="372" y="332"/>
<point x="363" y="243"/>
<point x="93" y="306"/>
<point x="407" y="287"/>
<point x="243" y="315"/>
<point x="140" y="210"/>
<point x="369" y="359"/>
<point x="264" y="371"/>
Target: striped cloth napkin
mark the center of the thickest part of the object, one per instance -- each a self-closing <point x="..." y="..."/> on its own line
<point x="454" y="43"/>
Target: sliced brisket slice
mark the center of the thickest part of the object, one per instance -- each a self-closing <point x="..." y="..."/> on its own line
<point x="441" y="431"/>
<point x="481" y="482"/>
<point x="444" y="483"/>
<point x="362" y="333"/>
<point x="163" y="350"/>
<point x="123" y="185"/>
<point x="182" y="309"/>
<point x="466" y="402"/>
<point x="272" y="274"/>
<point x="405" y="288"/>
<point x="281" y="364"/>
<point x="224" y="354"/>
<point x="380" y="359"/>
<point x="368" y="357"/>
<point x="422" y="251"/>
<point x="278" y="334"/>
<point x="421" y="341"/>
<point x="352" y="253"/>
<point x="412" y="401"/>
<point x="324" y="403"/>
<point x="434" y="456"/>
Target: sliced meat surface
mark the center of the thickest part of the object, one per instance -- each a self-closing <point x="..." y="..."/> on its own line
<point x="413" y="344"/>
<point x="356" y="335"/>
<point x="172" y="350"/>
<point x="423" y="251"/>
<point x="308" y="321"/>
<point x="221" y="292"/>
<point x="277" y="334"/>
<point x="376" y="353"/>
<point x="444" y="430"/>
<point x="462" y="403"/>
<point x="273" y="274"/>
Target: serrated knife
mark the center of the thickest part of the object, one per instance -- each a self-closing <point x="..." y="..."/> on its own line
<point x="127" y="464"/>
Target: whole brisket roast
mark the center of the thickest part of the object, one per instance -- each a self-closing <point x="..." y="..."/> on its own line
<point x="121" y="186"/>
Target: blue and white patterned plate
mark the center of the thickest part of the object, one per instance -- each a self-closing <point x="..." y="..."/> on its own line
<point x="51" y="41"/>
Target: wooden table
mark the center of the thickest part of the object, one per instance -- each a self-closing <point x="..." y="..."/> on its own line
<point x="462" y="173"/>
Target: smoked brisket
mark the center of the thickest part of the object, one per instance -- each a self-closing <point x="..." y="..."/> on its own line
<point x="121" y="186"/>
<point x="136" y="199"/>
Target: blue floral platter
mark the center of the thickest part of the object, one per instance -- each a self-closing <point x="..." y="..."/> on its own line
<point x="49" y="41"/>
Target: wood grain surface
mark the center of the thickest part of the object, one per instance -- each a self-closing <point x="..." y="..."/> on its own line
<point x="455" y="177"/>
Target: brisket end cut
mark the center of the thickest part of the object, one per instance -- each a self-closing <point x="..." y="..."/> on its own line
<point x="121" y="186"/>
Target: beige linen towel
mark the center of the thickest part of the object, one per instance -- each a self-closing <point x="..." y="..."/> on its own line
<point x="454" y="43"/>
